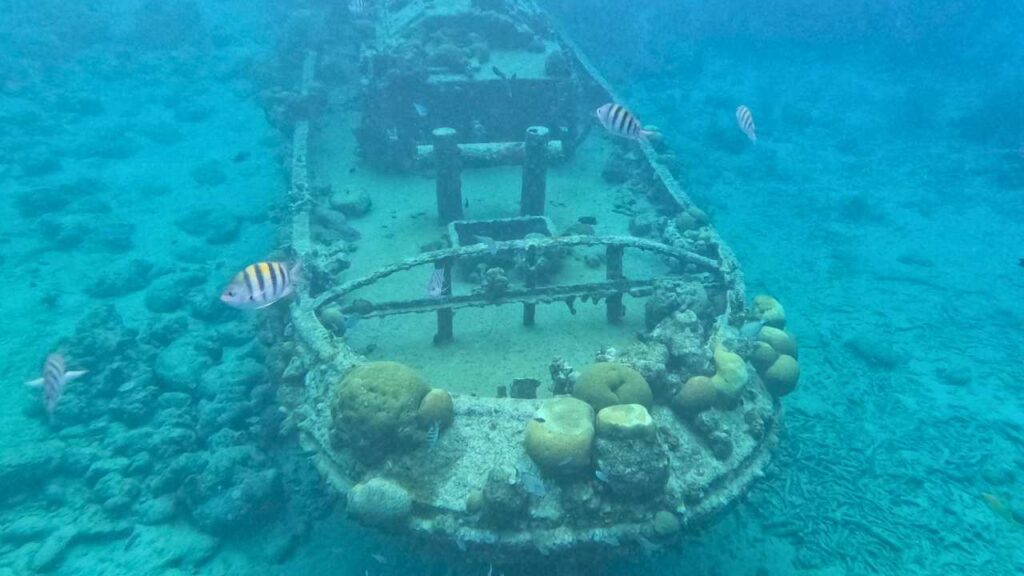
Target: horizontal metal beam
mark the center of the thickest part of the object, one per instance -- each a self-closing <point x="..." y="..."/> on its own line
<point x="537" y="295"/>
<point x="490" y="154"/>
<point x="512" y="245"/>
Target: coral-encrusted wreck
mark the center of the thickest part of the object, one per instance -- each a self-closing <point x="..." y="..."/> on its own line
<point x="651" y="440"/>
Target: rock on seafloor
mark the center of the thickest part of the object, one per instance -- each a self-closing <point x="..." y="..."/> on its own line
<point x="180" y="366"/>
<point x="27" y="529"/>
<point x="215" y="225"/>
<point x="167" y="294"/>
<point x="53" y="548"/>
<point x="875" y="349"/>
<point x="25" y="470"/>
<point x="127" y="278"/>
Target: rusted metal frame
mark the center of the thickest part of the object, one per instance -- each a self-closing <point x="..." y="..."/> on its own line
<point x="533" y="296"/>
<point x="538" y="243"/>
<point x="670" y="189"/>
<point x="310" y="331"/>
<point x="445" y="315"/>
<point x="530" y="308"/>
<point x="490" y="154"/>
<point x="448" y="183"/>
<point x="533" y="191"/>
<point x="613" y="267"/>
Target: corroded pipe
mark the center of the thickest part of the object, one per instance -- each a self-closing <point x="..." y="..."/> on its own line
<point x="445" y="316"/>
<point x="613" y="304"/>
<point x="535" y="172"/>
<point x="491" y="154"/>
<point x="530" y="309"/>
<point x="449" y="175"/>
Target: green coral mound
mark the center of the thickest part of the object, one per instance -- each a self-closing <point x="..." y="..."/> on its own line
<point x="696" y="395"/>
<point x="770" y="310"/>
<point x="731" y="374"/>
<point x="560" y="437"/>
<point x="379" y="503"/>
<point x="374" y="409"/>
<point x="437" y="406"/>
<point x="781" y="377"/>
<point x="607" y="384"/>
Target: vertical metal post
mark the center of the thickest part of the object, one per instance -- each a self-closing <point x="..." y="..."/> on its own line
<point x="445" y="316"/>
<point x="448" y="159"/>
<point x="570" y="135"/>
<point x="613" y="304"/>
<point x="530" y="310"/>
<point x="535" y="172"/>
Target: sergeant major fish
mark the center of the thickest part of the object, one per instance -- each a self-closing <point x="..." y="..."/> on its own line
<point x="619" y="121"/>
<point x="260" y="285"/>
<point x="433" y="433"/>
<point x="436" y="284"/>
<point x="55" y="378"/>
<point x="745" y="120"/>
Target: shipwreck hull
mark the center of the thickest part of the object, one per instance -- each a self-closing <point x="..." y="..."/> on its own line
<point x="461" y="479"/>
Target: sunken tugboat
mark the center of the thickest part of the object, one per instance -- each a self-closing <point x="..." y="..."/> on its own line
<point x="628" y="452"/>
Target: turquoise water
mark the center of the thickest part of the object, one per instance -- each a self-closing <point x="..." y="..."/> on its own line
<point x="142" y="164"/>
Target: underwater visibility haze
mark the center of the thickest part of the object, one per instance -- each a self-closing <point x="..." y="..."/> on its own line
<point x="505" y="287"/>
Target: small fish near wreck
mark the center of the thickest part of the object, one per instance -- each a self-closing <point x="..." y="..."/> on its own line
<point x="619" y="121"/>
<point x="357" y="7"/>
<point x="745" y="120"/>
<point x="433" y="433"/>
<point x="436" y="284"/>
<point x="55" y="377"/>
<point x="260" y="285"/>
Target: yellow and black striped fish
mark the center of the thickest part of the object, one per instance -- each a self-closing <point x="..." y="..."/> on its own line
<point x="260" y="285"/>
<point x="621" y="122"/>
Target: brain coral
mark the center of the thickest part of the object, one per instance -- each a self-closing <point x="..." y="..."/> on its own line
<point x="606" y="383"/>
<point x="560" y="437"/>
<point x="374" y="408"/>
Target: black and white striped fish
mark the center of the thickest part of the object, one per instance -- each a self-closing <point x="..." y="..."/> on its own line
<point x="436" y="285"/>
<point x="357" y="7"/>
<point x="55" y="378"/>
<point x="745" y="120"/>
<point x="260" y="285"/>
<point x="619" y="121"/>
<point x="433" y="433"/>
